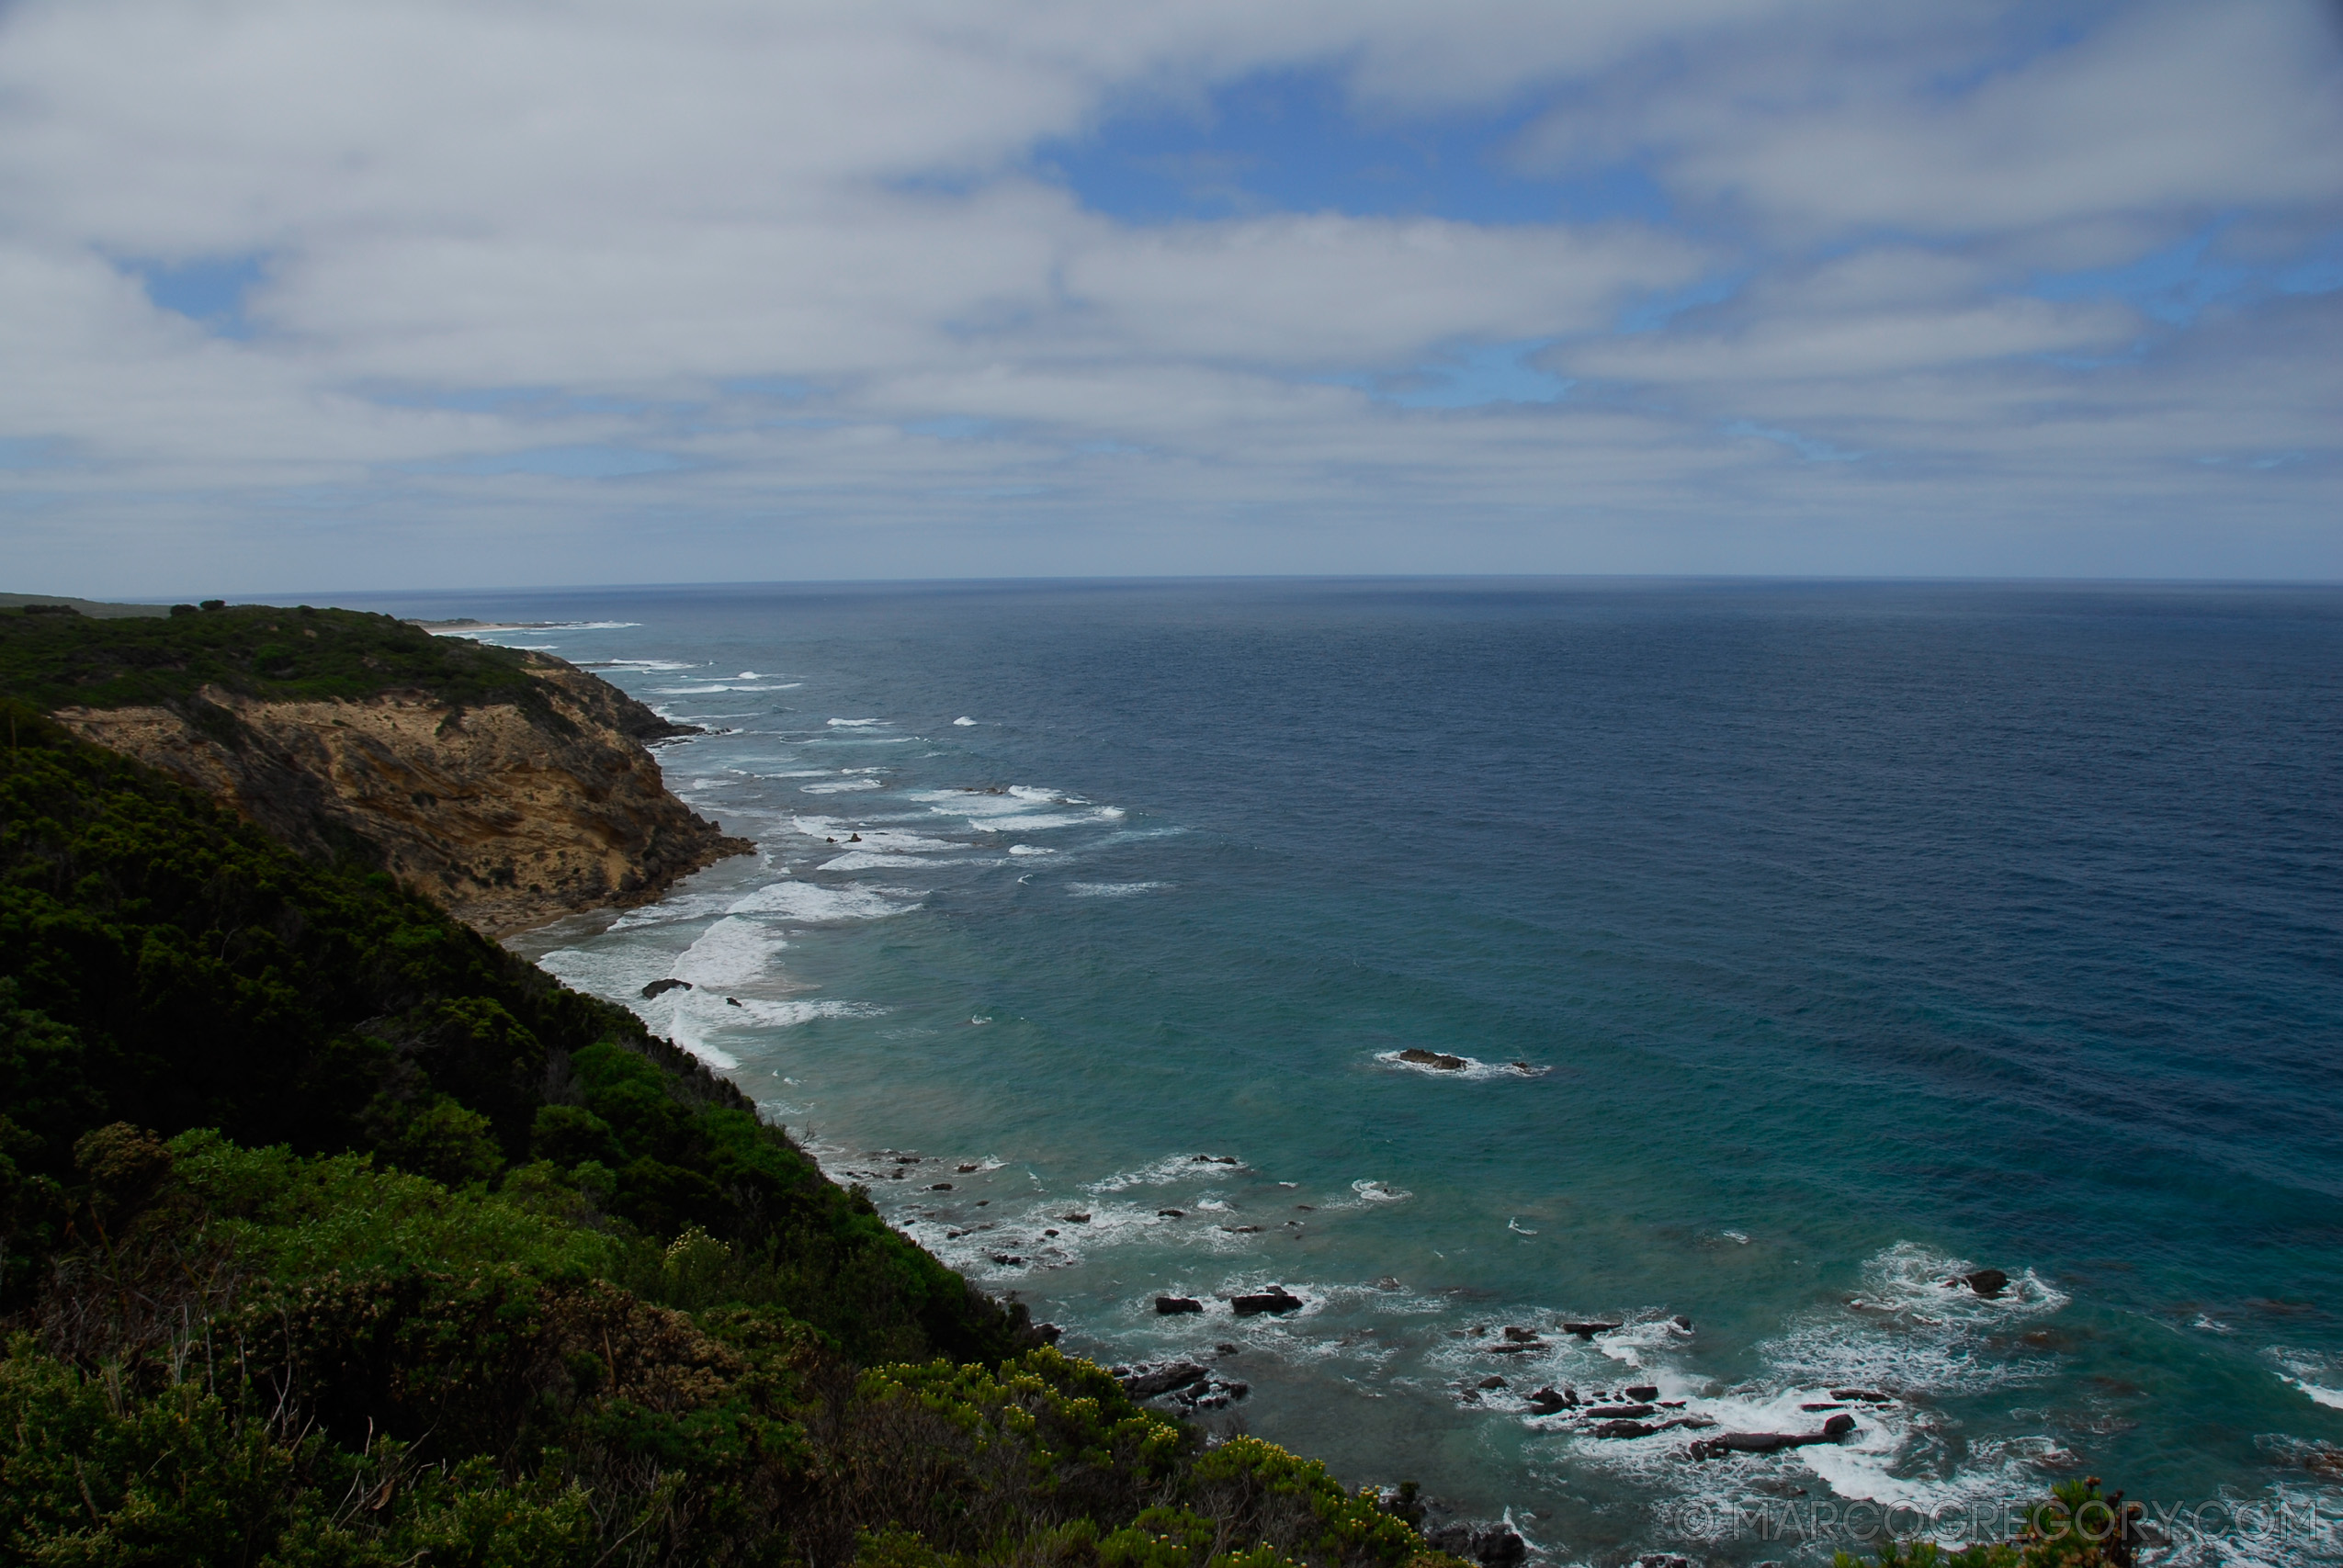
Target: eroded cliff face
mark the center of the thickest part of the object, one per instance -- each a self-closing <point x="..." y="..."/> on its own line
<point x="510" y="814"/>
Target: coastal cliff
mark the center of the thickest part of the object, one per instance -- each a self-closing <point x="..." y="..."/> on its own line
<point x="511" y="787"/>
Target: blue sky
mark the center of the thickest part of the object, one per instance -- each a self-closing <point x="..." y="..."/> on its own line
<point x="300" y="296"/>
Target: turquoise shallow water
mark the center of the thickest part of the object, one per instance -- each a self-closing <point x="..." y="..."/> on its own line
<point x="1849" y="936"/>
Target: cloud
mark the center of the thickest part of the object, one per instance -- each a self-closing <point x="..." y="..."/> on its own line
<point x="295" y="291"/>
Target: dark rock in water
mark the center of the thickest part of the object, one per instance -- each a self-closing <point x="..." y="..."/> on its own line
<point x="1749" y="1443"/>
<point x="940" y="1186"/>
<point x="1684" y="1323"/>
<point x="1863" y="1396"/>
<point x="1641" y="1391"/>
<point x="1811" y="1409"/>
<point x="1008" y="1259"/>
<point x="1214" y="1159"/>
<point x="1440" y="1060"/>
<point x="1146" y="1382"/>
<point x="1631" y="1410"/>
<point x="1075" y="1219"/>
<point x="1625" y="1429"/>
<point x="1545" y="1402"/>
<point x="1670" y="1560"/>
<point x="1170" y="1214"/>
<point x="1047" y="1333"/>
<point x="1492" y="1381"/>
<point x="1245" y="1230"/>
<point x="1833" y="1430"/>
<point x="1492" y="1545"/>
<point x="1276" y="1299"/>
<point x="731" y="1002"/>
<point x="1986" y="1282"/>
<point x="1588" y="1330"/>
<point x="1213" y="1395"/>
<point x="660" y="988"/>
<point x="1170" y="1306"/>
<point x="963" y="1169"/>
<point x="1520" y="1336"/>
<point x="1226" y="1349"/>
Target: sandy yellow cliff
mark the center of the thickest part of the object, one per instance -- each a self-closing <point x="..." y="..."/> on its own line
<point x="509" y="813"/>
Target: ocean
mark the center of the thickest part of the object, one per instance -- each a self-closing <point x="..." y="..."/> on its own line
<point x="1801" y="946"/>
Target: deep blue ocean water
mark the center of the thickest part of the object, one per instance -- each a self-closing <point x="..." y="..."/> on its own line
<point x="1848" y="936"/>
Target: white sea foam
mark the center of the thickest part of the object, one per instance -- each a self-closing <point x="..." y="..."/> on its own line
<point x="1380" y="1192"/>
<point x="842" y="786"/>
<point x="893" y="840"/>
<point x="1111" y="889"/>
<point x="964" y="721"/>
<point x="1908" y="1329"/>
<point x="2318" y="1378"/>
<point x="860" y="860"/>
<point x="1018" y="809"/>
<point x="734" y="951"/>
<point x="715" y="686"/>
<point x="1164" y="1172"/>
<point x="1906" y="1333"/>
<point x="704" y="1021"/>
<point x="789" y="1014"/>
<point x="678" y="907"/>
<point x="1030" y="850"/>
<point x="812" y="904"/>
<point x="854" y="723"/>
<point x="482" y="633"/>
<point x="1031" y="824"/>
<point x="643" y="664"/>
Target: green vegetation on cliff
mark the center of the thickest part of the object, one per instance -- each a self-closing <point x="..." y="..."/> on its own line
<point x="330" y="1232"/>
<point x="255" y="650"/>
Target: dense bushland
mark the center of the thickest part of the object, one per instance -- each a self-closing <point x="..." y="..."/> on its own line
<point x="331" y="1232"/>
<point x="164" y="964"/>
<point x="255" y="650"/>
<point x="268" y="1358"/>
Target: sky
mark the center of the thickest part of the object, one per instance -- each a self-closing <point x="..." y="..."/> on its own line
<point x="383" y="294"/>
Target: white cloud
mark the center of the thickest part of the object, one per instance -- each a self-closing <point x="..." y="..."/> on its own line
<point x="629" y="211"/>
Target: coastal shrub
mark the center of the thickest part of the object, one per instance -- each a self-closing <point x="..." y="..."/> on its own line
<point x="254" y="650"/>
<point x="330" y="1234"/>
<point x="166" y="964"/>
<point x="294" y="1359"/>
<point x="2077" y="1525"/>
